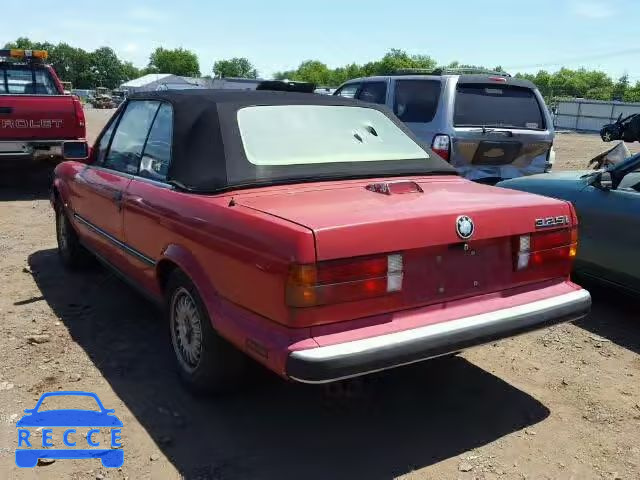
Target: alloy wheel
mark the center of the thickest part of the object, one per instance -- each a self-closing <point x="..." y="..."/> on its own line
<point x="186" y="329"/>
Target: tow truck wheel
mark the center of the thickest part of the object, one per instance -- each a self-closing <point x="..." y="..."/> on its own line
<point x="73" y="255"/>
<point x="207" y="363"/>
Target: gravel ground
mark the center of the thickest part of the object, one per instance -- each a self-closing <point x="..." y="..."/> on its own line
<point x="563" y="403"/>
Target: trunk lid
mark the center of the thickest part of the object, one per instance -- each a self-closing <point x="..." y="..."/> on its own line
<point x="37" y="117"/>
<point x="349" y="220"/>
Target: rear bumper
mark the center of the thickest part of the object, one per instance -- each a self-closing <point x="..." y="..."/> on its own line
<point x="30" y="149"/>
<point x="358" y="357"/>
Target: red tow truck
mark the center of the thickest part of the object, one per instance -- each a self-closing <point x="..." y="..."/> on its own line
<point x="36" y="117"/>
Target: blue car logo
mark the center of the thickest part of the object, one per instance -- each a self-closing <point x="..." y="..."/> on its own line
<point x="28" y="453"/>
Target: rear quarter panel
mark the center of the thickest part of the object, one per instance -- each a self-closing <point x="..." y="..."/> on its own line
<point x="232" y="252"/>
<point x="63" y="177"/>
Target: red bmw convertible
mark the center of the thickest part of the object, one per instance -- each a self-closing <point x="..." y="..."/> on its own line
<point x="312" y="234"/>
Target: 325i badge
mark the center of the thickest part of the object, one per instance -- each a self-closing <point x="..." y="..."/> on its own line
<point x="552" y="221"/>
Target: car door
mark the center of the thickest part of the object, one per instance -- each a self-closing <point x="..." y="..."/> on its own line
<point x="147" y="203"/>
<point x="99" y="188"/>
<point x="610" y="233"/>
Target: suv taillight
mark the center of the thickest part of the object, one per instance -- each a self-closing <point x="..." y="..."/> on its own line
<point x="442" y="146"/>
<point x="337" y="281"/>
<point x="545" y="248"/>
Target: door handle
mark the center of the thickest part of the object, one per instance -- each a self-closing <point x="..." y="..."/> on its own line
<point x="117" y="199"/>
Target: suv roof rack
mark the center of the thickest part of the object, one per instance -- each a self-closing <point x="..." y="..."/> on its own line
<point x="450" y="71"/>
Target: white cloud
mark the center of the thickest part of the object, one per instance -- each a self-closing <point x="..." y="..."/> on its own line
<point x="147" y="14"/>
<point x="592" y="9"/>
<point x="108" y="27"/>
<point x="131" y="48"/>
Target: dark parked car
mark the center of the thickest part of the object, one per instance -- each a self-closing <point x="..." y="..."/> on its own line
<point x="627" y="129"/>
<point x="608" y="207"/>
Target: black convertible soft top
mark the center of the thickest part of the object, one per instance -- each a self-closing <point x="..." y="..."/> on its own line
<point x="208" y="154"/>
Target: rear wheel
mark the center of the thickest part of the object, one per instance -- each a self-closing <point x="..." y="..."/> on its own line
<point x="71" y="251"/>
<point x="207" y="363"/>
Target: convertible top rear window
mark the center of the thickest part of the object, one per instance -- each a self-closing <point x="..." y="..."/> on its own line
<point x="226" y="139"/>
<point x="312" y="134"/>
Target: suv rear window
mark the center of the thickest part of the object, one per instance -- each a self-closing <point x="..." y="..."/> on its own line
<point x="497" y="106"/>
<point x="25" y="80"/>
<point x="416" y="100"/>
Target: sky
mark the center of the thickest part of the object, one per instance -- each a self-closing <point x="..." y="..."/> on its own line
<point x="277" y="35"/>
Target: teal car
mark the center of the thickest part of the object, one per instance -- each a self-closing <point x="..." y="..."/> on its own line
<point x="608" y="207"/>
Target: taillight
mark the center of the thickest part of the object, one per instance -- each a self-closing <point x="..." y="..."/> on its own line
<point x="337" y="281"/>
<point x="545" y="248"/>
<point x="442" y="146"/>
<point x="79" y="112"/>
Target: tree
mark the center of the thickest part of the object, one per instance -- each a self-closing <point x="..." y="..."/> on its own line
<point x="26" y="43"/>
<point x="102" y="67"/>
<point x="620" y="88"/>
<point x="284" y="75"/>
<point x="238" y="67"/>
<point x="342" y="74"/>
<point x="107" y="68"/>
<point x="129" y="71"/>
<point x="632" y="94"/>
<point x="395" y="60"/>
<point x="177" y="62"/>
<point x="315" y="71"/>
<point x="73" y="65"/>
<point x="83" y="69"/>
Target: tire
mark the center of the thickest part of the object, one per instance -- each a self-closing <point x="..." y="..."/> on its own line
<point x="607" y="135"/>
<point x="73" y="255"/>
<point x="207" y="363"/>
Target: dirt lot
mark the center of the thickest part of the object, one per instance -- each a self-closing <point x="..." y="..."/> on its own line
<point x="562" y="403"/>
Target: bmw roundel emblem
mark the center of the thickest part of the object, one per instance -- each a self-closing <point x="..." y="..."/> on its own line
<point x="464" y="227"/>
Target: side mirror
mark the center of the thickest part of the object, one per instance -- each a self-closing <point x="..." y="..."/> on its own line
<point x="75" y="150"/>
<point x="605" y="182"/>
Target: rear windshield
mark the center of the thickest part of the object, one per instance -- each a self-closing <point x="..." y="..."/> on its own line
<point x="26" y="80"/>
<point x="416" y="101"/>
<point x="313" y="134"/>
<point x="497" y="106"/>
